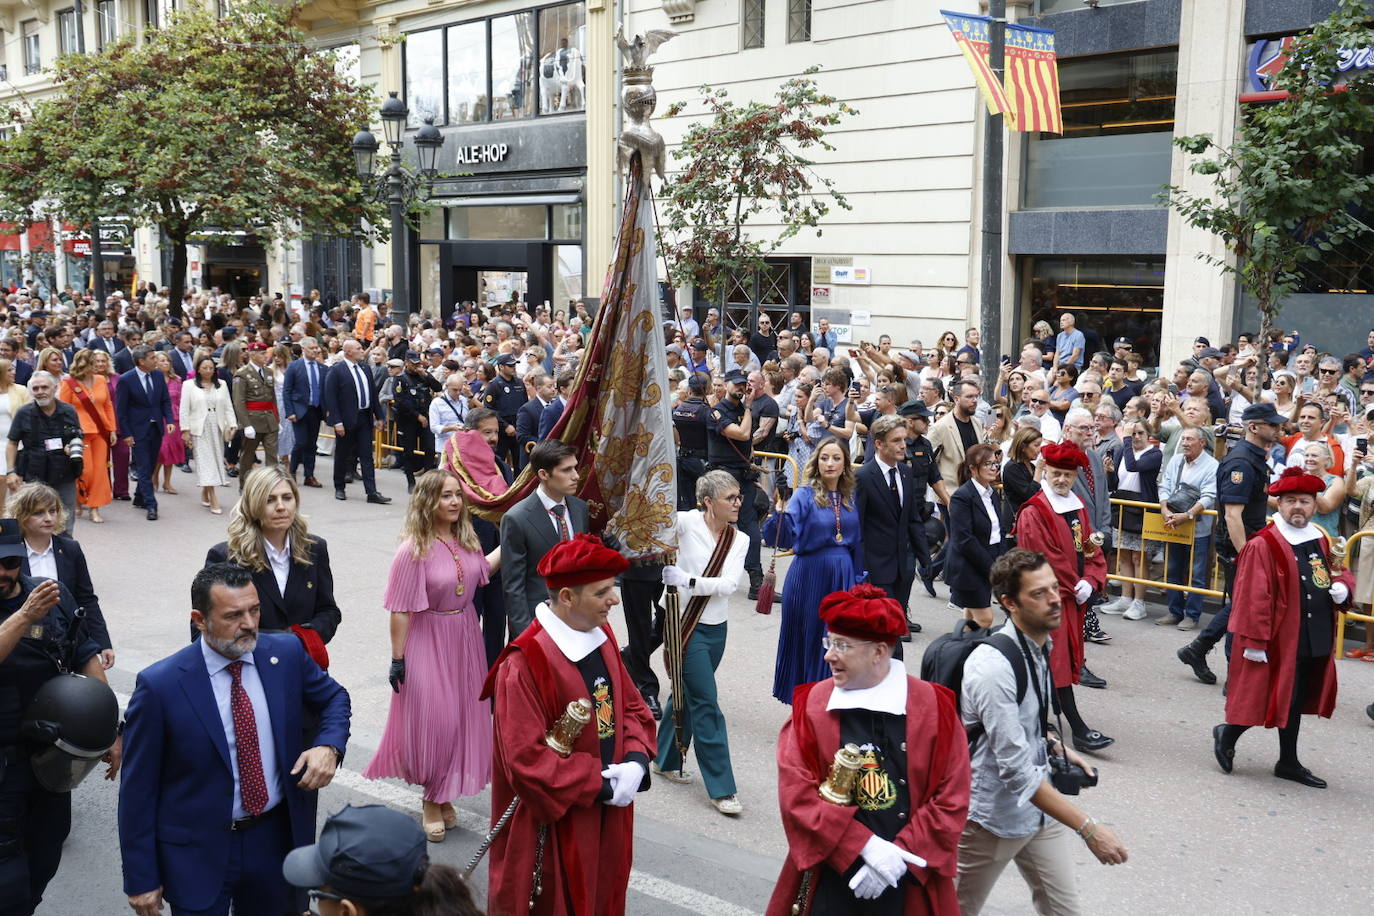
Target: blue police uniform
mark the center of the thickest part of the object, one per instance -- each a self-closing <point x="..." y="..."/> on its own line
<point x="506" y="398"/>
<point x="1242" y="479"/>
<point x="734" y="456"/>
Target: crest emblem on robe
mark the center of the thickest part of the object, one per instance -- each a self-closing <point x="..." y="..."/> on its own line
<point x="1320" y="577"/>
<point x="875" y="791"/>
<point x="605" y="711"/>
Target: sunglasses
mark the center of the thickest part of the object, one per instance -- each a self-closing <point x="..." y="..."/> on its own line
<point x="11" y="562"/>
<point x="1328" y="371"/>
<point x="1038" y="401"/>
<point x="1365" y="391"/>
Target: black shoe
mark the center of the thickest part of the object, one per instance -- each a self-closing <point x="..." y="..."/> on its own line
<point x="1369" y="710"/>
<point x="651" y="701"/>
<point x="125" y="497"/>
<point x="378" y="499"/>
<point x="1195" y="658"/>
<point x="152" y="515"/>
<point x="929" y="583"/>
<point x="350" y="479"/>
<point x="340" y="494"/>
<point x="912" y="626"/>
<point x="1088" y="679"/>
<point x="233" y="472"/>
<point x="905" y="637"/>
<point x="138" y="503"/>
<point x="1226" y="756"/>
<point x="1299" y="774"/>
<point x="1091" y="741"/>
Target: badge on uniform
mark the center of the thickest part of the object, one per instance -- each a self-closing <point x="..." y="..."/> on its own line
<point x="1238" y="477"/>
<point x="36" y="631"/>
<point x="1320" y="577"/>
<point x="875" y="791"/>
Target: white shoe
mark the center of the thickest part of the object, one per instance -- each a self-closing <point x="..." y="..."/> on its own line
<point x="1136" y="611"/>
<point x="678" y="776"/>
<point x="729" y="805"/>
<point x="1115" y="606"/>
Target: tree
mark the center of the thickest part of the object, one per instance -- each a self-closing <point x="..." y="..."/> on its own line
<point x="208" y="126"/>
<point x="1284" y="193"/>
<point x="743" y="162"/>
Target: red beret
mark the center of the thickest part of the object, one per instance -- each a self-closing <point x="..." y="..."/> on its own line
<point x="579" y="561"/>
<point x="864" y="612"/>
<point x="256" y="345"/>
<point x="1296" y="480"/>
<point x="1064" y="455"/>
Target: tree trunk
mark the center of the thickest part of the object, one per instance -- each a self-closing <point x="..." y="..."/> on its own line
<point x="177" y="285"/>
<point x="1262" y="343"/>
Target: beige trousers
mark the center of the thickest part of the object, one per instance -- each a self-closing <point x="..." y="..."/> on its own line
<point x="1045" y="860"/>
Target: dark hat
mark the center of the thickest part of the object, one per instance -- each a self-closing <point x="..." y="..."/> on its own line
<point x="1210" y="353"/>
<point x="1202" y="340"/>
<point x="699" y="344"/>
<point x="369" y="851"/>
<point x="1124" y="342"/>
<point x="412" y="355"/>
<point x="505" y="359"/>
<point x="435" y="349"/>
<point x="11" y="538"/>
<point x="736" y="375"/>
<point x="1296" y="480"/>
<point x="915" y="408"/>
<point x="864" y="612"/>
<point x="1262" y="413"/>
<point x="579" y="561"/>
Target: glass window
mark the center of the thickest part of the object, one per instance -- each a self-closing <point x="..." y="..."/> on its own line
<point x="567" y="221"/>
<point x="107" y="22"/>
<point x="1115" y="296"/>
<point x="567" y="265"/>
<point x="33" y="60"/>
<point x="519" y="222"/>
<point x="150" y="13"/>
<point x="424" y="67"/>
<point x="1118" y="129"/>
<point x="165" y="9"/>
<point x="512" y="66"/>
<point x="798" y="20"/>
<point x="562" y="53"/>
<point x="751" y="23"/>
<point x="467" y="73"/>
<point x="66" y="32"/>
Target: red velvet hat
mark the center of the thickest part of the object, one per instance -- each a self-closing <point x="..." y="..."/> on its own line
<point x="864" y="612"/>
<point x="1296" y="480"/>
<point x="255" y="346"/>
<point x="579" y="561"/>
<point x="1064" y="455"/>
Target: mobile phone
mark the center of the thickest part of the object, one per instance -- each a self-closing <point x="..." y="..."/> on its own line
<point x="1362" y="445"/>
<point x="853" y="387"/>
<point x="854" y="353"/>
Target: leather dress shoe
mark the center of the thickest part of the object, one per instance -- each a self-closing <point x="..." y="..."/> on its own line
<point x="1196" y="659"/>
<point x="378" y="499"/>
<point x="905" y="637"/>
<point x="125" y="497"/>
<point x="152" y="515"/>
<point x="1088" y="679"/>
<point x="1369" y="710"/>
<point x="1226" y="756"/>
<point x="340" y="494"/>
<point x="1091" y="741"/>
<point x="312" y="482"/>
<point x="929" y="583"/>
<point x="138" y="503"/>
<point x="1299" y="774"/>
<point x="651" y="701"/>
<point x="912" y="626"/>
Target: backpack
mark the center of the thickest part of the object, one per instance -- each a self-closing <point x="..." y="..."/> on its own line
<point x="943" y="662"/>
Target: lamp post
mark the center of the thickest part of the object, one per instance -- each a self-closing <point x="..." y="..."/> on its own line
<point x="398" y="186"/>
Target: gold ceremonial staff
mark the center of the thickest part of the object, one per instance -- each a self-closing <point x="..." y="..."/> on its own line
<point x="838" y="789"/>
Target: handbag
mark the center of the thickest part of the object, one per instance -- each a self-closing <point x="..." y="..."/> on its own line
<point x="1184" y="497"/>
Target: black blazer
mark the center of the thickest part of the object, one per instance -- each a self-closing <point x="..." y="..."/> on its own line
<point x="73" y="572"/>
<point x="527" y="427"/>
<point x="341" y="397"/>
<point x="968" y="555"/>
<point x="309" y="599"/>
<point x="890" y="529"/>
<point x="527" y="533"/>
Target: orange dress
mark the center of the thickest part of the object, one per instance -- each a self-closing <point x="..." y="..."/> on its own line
<point x="97" y="422"/>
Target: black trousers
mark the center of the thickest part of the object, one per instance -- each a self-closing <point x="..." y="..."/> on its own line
<point x="307" y="432"/>
<point x="355" y="445"/>
<point x="645" y="634"/>
<point x="506" y="446"/>
<point x="689" y="471"/>
<point x="899" y="591"/>
<point x="412" y="438"/>
<point x="34" y="823"/>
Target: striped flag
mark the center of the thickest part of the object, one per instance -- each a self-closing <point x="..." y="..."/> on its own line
<point x="971" y="35"/>
<point x="1032" y="81"/>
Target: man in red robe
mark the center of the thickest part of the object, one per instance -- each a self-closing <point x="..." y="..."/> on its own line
<point x="1054" y="522"/>
<point x="1283" y="622"/>
<point x="574" y="825"/>
<point x="894" y="849"/>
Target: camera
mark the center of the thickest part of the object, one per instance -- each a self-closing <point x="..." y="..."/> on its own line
<point x="1070" y="778"/>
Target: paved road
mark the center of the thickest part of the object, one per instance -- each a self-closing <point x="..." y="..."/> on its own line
<point x="1200" y="841"/>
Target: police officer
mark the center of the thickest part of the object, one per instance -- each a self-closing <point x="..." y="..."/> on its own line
<point x="255" y="408"/>
<point x="729" y="448"/>
<point x="41" y="636"/>
<point x="1242" y="493"/>
<point x="411" y="393"/>
<point x="691" y="418"/>
<point x="505" y="395"/>
<point x="920" y="454"/>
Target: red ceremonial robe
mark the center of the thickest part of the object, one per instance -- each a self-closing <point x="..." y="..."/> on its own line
<point x="1041" y="529"/>
<point x="1266" y="614"/>
<point x="819" y="833"/>
<point x="589" y="848"/>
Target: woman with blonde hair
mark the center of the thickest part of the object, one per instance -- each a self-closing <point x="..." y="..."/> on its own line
<point x="438" y="733"/>
<point x="50" y="359"/>
<point x="12" y="397"/>
<point x="88" y="391"/>
<point x="822" y="524"/>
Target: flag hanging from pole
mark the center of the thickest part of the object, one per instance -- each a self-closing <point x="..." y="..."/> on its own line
<point x="971" y="35"/>
<point x="1032" y="80"/>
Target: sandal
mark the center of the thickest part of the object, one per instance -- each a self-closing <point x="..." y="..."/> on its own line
<point x="432" y="822"/>
<point x="450" y="816"/>
<point x="1360" y="653"/>
<point x="95" y="518"/>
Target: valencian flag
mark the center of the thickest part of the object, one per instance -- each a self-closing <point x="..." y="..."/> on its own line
<point x="971" y="35"/>
<point x="617" y="416"/>
<point x="1029" y="96"/>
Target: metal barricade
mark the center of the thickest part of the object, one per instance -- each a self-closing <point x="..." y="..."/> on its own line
<point x="1344" y="617"/>
<point x="1153" y="529"/>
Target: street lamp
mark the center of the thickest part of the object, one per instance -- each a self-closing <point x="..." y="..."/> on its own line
<point x="399" y="187"/>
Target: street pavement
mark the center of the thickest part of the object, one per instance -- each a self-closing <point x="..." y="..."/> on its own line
<point x="1199" y="841"/>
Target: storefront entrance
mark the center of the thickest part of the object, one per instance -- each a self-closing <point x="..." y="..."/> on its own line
<point x="1116" y="296"/>
<point x="238" y="281"/>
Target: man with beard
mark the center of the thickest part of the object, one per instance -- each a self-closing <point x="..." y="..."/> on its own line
<point x="212" y="796"/>
<point x="50" y="432"/>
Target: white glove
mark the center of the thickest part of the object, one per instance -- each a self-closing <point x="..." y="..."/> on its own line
<point x="1257" y="655"/>
<point x="625" y="781"/>
<point x="866" y="884"/>
<point x="249" y="432"/>
<point x="885" y="859"/>
<point x="675" y="577"/>
<point x="1339" y="592"/>
<point x="1083" y="591"/>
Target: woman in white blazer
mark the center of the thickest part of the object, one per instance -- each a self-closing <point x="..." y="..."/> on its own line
<point x="207" y="421"/>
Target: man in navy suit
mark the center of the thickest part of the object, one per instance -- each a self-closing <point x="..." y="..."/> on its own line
<point x="350" y="406"/>
<point x="124" y="357"/>
<point x="215" y="773"/>
<point x="527" y="417"/>
<point x="554" y="410"/>
<point x="302" y="391"/>
<point x="887" y="499"/>
<point x="143" y="412"/>
<point x="106" y="340"/>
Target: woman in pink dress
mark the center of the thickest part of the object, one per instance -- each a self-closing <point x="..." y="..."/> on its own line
<point x="173" y="453"/>
<point x="438" y="734"/>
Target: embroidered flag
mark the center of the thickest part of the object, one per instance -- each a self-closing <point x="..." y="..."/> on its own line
<point x="971" y="35"/>
<point x="1032" y="81"/>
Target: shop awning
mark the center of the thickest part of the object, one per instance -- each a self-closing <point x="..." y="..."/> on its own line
<point x="509" y="200"/>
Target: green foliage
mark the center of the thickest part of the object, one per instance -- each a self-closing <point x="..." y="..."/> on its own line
<point x="233" y="124"/>
<point x="1282" y="194"/>
<point x="741" y="163"/>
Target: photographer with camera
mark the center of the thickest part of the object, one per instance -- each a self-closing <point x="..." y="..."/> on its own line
<point x="1016" y="757"/>
<point x="53" y="444"/>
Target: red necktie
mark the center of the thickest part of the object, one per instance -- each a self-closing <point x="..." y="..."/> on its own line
<point x="1092" y="484"/>
<point x="558" y="511"/>
<point x="252" y="784"/>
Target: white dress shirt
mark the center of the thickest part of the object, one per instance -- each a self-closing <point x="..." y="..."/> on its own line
<point x="994" y="533"/>
<point x="42" y="565"/>
<point x="886" y="468"/>
<point x="574" y="644"/>
<point x="695" y="544"/>
<point x="221" y="681"/>
<point x="280" y="562"/>
<point x="549" y="503"/>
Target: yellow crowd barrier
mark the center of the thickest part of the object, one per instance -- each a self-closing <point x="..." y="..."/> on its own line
<point x="1347" y="616"/>
<point x="1153" y="529"/>
<point x="796" y="470"/>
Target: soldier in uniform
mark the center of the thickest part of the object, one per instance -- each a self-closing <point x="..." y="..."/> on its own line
<point x="925" y="473"/>
<point x="505" y="395"/>
<point x="255" y="408"/>
<point x="729" y="448"/>
<point x="1242" y="492"/>
<point x="690" y="421"/>
<point x="412" y="391"/>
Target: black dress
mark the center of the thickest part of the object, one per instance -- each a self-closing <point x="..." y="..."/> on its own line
<point x="1018" y="485"/>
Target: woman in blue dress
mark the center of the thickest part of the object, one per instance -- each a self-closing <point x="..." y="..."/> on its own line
<point x="823" y="524"/>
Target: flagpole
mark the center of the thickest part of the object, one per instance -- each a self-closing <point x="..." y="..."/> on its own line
<point x="990" y="311"/>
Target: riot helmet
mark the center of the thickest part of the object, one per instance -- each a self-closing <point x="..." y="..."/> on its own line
<point x="71" y="722"/>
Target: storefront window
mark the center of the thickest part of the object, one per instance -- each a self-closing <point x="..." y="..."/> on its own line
<point x="512" y="66"/>
<point x="424" y="64"/>
<point x="1118" y="130"/>
<point x="567" y="221"/>
<point x="562" y="53"/>
<point x="567" y="265"/>
<point x="467" y="73"/>
<point x="1119" y="296"/>
<point x="522" y="222"/>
